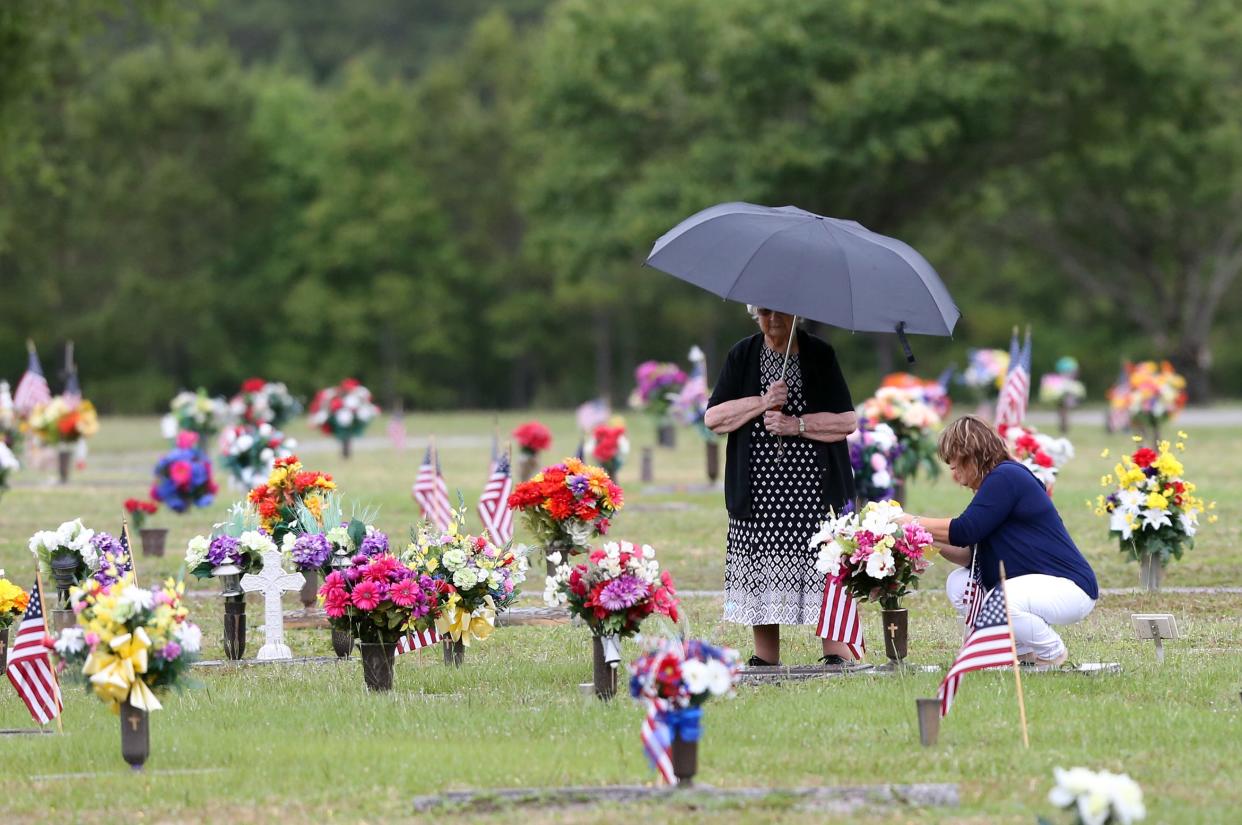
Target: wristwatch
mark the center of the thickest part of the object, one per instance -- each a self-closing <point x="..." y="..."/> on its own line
<point x="801" y="426"/>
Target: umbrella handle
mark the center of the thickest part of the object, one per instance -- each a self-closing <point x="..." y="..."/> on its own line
<point x="905" y="343"/>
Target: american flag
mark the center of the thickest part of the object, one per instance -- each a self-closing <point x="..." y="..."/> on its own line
<point x="1011" y="406"/>
<point x="32" y="389"/>
<point x="396" y="430"/>
<point x="431" y="492"/>
<point x="30" y="668"/>
<point x="494" y="509"/>
<point x="990" y="644"/>
<point x="417" y="639"/>
<point x="125" y="564"/>
<point x="657" y="740"/>
<point x="838" y="619"/>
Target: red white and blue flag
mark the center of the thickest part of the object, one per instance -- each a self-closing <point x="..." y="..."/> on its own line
<point x="989" y="645"/>
<point x="32" y="390"/>
<point x="838" y="619"/>
<point x="494" y="510"/>
<point x="417" y="639"/>
<point x="657" y="740"/>
<point x="1016" y="391"/>
<point x="30" y="668"/>
<point x="431" y="492"/>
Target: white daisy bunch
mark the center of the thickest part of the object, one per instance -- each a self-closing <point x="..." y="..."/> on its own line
<point x="1098" y="797"/>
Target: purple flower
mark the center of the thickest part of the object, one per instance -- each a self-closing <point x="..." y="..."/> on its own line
<point x="223" y="550"/>
<point x="375" y="544"/>
<point x="578" y="485"/>
<point x="622" y="593"/>
<point x="311" y="551"/>
<point x="171" y="651"/>
<point x="105" y="544"/>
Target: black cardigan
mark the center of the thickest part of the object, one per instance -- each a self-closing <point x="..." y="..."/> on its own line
<point x="824" y="389"/>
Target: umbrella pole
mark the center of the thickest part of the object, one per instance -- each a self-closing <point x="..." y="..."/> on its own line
<point x="793" y="330"/>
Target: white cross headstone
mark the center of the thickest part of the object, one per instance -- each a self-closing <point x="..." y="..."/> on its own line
<point x="272" y="581"/>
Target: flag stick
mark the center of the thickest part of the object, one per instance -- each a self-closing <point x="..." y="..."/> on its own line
<point x="1017" y="670"/>
<point x="129" y="545"/>
<point x="60" y="728"/>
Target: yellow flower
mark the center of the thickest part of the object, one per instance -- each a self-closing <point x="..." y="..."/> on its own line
<point x="1182" y="435"/>
<point x="1168" y="465"/>
<point x="315" y="505"/>
<point x="1137" y="439"/>
<point x="1181" y="446"/>
<point x="1213" y="518"/>
<point x="1155" y="501"/>
<point x="1106" y="479"/>
<point x="1105" y="453"/>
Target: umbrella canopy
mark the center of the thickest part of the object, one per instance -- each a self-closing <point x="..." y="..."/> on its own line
<point x="790" y="260"/>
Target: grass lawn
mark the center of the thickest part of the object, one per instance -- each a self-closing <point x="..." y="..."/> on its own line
<point x="308" y="743"/>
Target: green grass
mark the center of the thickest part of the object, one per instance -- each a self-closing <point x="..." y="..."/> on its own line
<point x="308" y="743"/>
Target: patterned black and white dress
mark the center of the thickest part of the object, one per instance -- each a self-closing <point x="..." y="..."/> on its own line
<point x="770" y="575"/>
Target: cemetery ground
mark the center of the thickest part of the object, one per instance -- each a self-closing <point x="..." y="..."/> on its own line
<point x="307" y="742"/>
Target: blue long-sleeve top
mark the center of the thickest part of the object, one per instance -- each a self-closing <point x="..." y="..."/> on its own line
<point x="1012" y="519"/>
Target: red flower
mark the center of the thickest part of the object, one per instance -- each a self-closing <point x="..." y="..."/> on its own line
<point x="533" y="436"/>
<point x="1145" y="456"/>
<point x="68" y="424"/>
<point x="586" y="510"/>
<point x="132" y="505"/>
<point x="350" y="384"/>
<point x="286" y="461"/>
<point x="253" y="385"/>
<point x="559" y="509"/>
<point x="366" y="595"/>
<point x="1043" y="459"/>
<point x="576" y="585"/>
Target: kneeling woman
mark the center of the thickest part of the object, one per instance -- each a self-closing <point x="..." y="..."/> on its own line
<point x="1012" y="520"/>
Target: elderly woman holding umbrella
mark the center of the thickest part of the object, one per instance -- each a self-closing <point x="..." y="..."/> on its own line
<point x="786" y="465"/>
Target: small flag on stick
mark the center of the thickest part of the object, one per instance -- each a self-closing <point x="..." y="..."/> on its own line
<point x="431" y="492"/>
<point x="30" y="667"/>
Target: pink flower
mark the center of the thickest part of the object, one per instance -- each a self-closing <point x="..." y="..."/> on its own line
<point x="878" y="462"/>
<point x="508" y="585"/>
<point x="186" y="440"/>
<point x="179" y="472"/>
<point x="405" y="593"/>
<point x="91" y="640"/>
<point x="367" y="595"/>
<point x="335" y="602"/>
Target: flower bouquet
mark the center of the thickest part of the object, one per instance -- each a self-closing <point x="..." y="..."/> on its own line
<point x="64" y="424"/>
<point x="152" y="538"/>
<point x="1157" y="393"/>
<point x="8" y="464"/>
<point x="343" y="411"/>
<point x="673" y="679"/>
<point x="131" y="645"/>
<point x="183" y="476"/>
<point x="873" y="448"/>
<point x="324" y="540"/>
<point x="1062" y="387"/>
<point x="475" y="579"/>
<point x="377" y="599"/>
<point x="264" y="402"/>
<point x="566" y="505"/>
<point x="13" y="601"/>
<point x="1043" y="454"/>
<point x="67" y="555"/>
<point x="113" y="561"/>
<point x="608" y="446"/>
<point x="1152" y="510"/>
<point x="876" y="560"/>
<point x="914" y="422"/>
<point x="613" y="591"/>
<point x="657" y="386"/>
<point x="1101" y="798"/>
<point x="985" y="373"/>
<point x="532" y="438"/>
<point x="289" y="486"/>
<point x="249" y="452"/>
<point x="195" y="412"/>
<point x="932" y="390"/>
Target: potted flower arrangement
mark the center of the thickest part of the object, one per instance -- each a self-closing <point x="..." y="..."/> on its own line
<point x="289" y="485"/>
<point x="13" y="602"/>
<point x="249" y="452"/>
<point x="532" y="438"/>
<point x="1097" y="798"/>
<point x="689" y="408"/>
<point x="1062" y="389"/>
<point x="195" y="412"/>
<point x="234" y="548"/>
<point x="1157" y="393"/>
<point x="68" y="557"/>
<point x="673" y="679"/>
<point x="1152" y="509"/>
<point x="567" y="505"/>
<point x="130" y="646"/>
<point x="613" y="591"/>
<point x="914" y="421"/>
<point x="152" y="538"/>
<point x="984" y="376"/>
<point x="113" y="559"/>
<point x="183" y="476"/>
<point x="63" y="424"/>
<point x="1042" y="454"/>
<point x="608" y="446"/>
<point x="343" y="411"/>
<point x="8" y="465"/>
<point x="378" y="599"/>
<point x="873" y="448"/>
<point x="264" y="402"/>
<point x="876" y="560"/>
<point x="656" y="386"/>
<point x="933" y="391"/>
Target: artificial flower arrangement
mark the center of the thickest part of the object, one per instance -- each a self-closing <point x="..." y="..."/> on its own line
<point x="614" y="590"/>
<point x="60" y="421"/>
<point x="138" y="511"/>
<point x="608" y="446"/>
<point x="1156" y="394"/>
<point x="985" y="372"/>
<point x="131" y="644"/>
<point x="249" y="452"/>
<point x="914" y="421"/>
<point x="689" y="405"/>
<point x="13" y="601"/>
<point x="1097" y="798"/>
<point x="1152" y="509"/>
<point x="1044" y="455"/>
<point x="657" y="385"/>
<point x="183" y="476"/>
<point x="1062" y="387"/>
<point x="532" y="438"/>
<point x="568" y="504"/>
<point x="328" y="541"/>
<point x="8" y="464"/>
<point x="195" y="412"/>
<point x="343" y="411"/>
<point x="66" y="554"/>
<point x="873" y="449"/>
<point x="288" y="486"/>
<point x="871" y="555"/>
<point x="113" y="561"/>
<point x="474" y="577"/>
<point x="934" y="393"/>
<point x="264" y="402"/>
<point x="238" y="542"/>
<point x="378" y="599"/>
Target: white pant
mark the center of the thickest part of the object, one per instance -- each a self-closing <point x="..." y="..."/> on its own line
<point x="1035" y="602"/>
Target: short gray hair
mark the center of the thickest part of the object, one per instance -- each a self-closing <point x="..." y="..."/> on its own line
<point x="753" y="311"/>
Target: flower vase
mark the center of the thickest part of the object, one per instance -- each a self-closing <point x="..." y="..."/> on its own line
<point x="1063" y="411"/>
<point x="342" y="643"/>
<point x="310" y="589"/>
<point x="686" y="728"/>
<point x="153" y="539"/>
<point x="234" y="627"/>
<point x="347" y="447"/>
<point x="666" y="435"/>
<point x="454" y="652"/>
<point x="63" y="620"/>
<point x="647" y="471"/>
<point x="4" y="648"/>
<point x="605" y="674"/>
<point x="1151" y="572"/>
<point x="713" y="461"/>
<point x="64" y="572"/>
<point x="135" y="736"/>
<point x="895" y="627"/>
<point x="64" y="461"/>
<point x="377" y="662"/>
<point x="527" y="467"/>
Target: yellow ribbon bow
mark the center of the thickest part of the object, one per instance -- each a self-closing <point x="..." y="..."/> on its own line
<point x="456" y="622"/>
<point x="116" y="674"/>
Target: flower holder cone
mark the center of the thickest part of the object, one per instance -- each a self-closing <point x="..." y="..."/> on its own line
<point x="347" y="447"/>
<point x="896" y="637"/>
<point x="135" y="736"/>
<point x="64" y="461"/>
<point x="454" y="652"/>
<point x="1063" y="410"/>
<point x="1151" y="572"/>
<point x="604" y="674"/>
<point x="234" y="627"/>
<point x="647" y="466"/>
<point x="685" y="757"/>
<point x="63" y="620"/>
<point x="377" y="665"/>
<point x="310" y="589"/>
<point x="153" y="540"/>
<point x="342" y="643"/>
<point x="713" y="461"/>
<point x="666" y="435"/>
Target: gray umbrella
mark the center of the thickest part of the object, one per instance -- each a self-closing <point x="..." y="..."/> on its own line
<point x="790" y="260"/>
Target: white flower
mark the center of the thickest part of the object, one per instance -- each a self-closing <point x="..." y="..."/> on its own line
<point x="133" y="599"/>
<point x="880" y="564"/>
<point x="258" y="543"/>
<point x="70" y="640"/>
<point x="453" y="559"/>
<point x="243" y="443"/>
<point x="1155" y="519"/>
<point x="555" y="558"/>
<point x="648" y="551"/>
<point x="196" y="551"/>
<point x="1122" y="522"/>
<point x="344" y="418"/>
<point x="829" y="560"/>
<point x="168" y="426"/>
<point x="579" y="531"/>
<point x="1098" y="796"/>
<point x="189" y="636"/>
<point x="882" y="479"/>
<point x="1189" y="522"/>
<point x="466" y="578"/>
<point x="8" y="461"/>
<point x="90" y="556"/>
<point x="1130" y="501"/>
<point x="719" y="682"/>
<point x="339" y="537"/>
<point x="695" y="675"/>
<point x="884" y="437"/>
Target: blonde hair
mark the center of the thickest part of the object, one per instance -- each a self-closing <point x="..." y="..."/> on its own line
<point x="973" y="441"/>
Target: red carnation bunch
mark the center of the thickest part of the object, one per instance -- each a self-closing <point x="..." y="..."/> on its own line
<point x="138" y="510"/>
<point x="532" y="437"/>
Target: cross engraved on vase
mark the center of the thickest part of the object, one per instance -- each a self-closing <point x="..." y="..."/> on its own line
<point x="272" y="581"/>
<point x="134" y="720"/>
